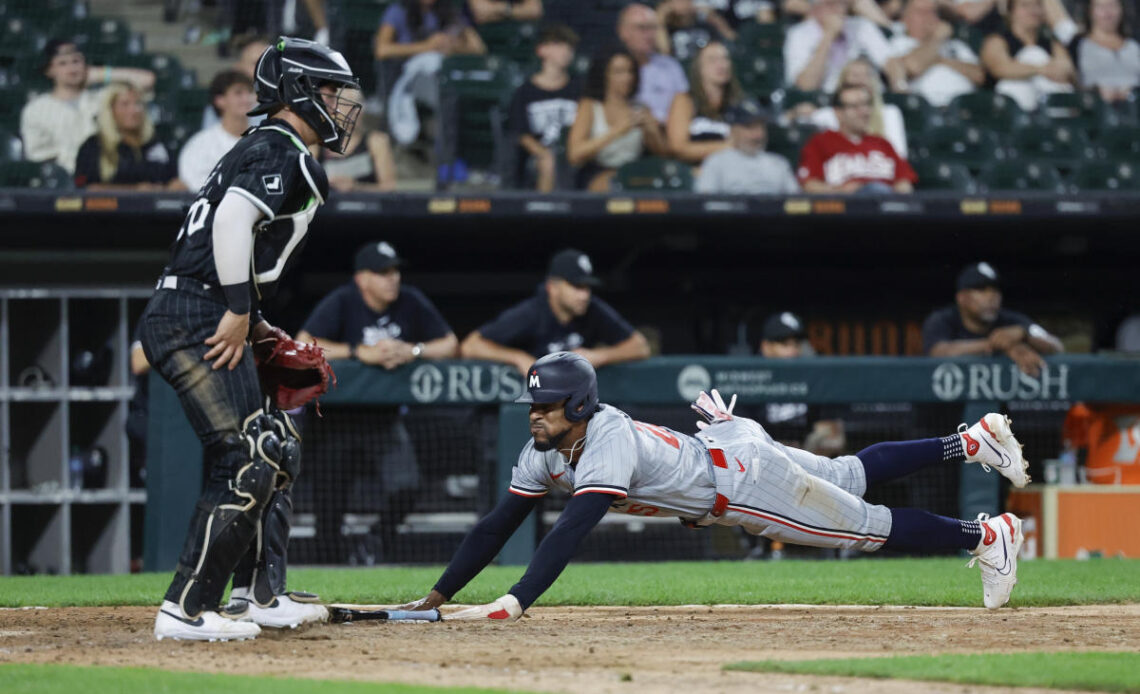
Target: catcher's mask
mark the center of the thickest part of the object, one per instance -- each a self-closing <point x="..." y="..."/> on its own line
<point x="313" y="81"/>
<point x="563" y="376"/>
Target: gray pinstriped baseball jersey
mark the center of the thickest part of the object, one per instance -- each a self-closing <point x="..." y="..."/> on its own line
<point x="772" y="490"/>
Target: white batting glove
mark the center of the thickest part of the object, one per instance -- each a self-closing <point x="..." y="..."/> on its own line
<point x="712" y="409"/>
<point x="506" y="608"/>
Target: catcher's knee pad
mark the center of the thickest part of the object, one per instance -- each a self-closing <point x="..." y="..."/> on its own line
<point x="290" y="464"/>
<point x="256" y="479"/>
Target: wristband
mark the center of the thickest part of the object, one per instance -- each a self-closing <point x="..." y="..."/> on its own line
<point x="237" y="297"/>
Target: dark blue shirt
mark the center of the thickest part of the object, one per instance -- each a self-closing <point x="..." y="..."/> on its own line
<point x="532" y="327"/>
<point x="342" y="316"/>
<point x="946" y="324"/>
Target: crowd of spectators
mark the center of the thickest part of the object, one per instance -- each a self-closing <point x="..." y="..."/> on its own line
<point x="659" y="83"/>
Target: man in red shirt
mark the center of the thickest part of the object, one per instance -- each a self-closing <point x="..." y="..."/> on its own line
<point x="850" y="159"/>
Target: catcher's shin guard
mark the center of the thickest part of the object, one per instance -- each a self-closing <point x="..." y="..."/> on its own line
<point x="226" y="518"/>
<point x="262" y="569"/>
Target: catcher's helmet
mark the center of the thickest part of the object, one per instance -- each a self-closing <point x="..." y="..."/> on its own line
<point x="563" y="376"/>
<point x="291" y="73"/>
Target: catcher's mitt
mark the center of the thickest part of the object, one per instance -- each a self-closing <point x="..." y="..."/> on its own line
<point x="291" y="372"/>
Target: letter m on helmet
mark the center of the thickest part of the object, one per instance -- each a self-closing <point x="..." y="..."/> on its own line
<point x="533" y="382"/>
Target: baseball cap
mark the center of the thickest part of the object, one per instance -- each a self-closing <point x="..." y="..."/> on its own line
<point x="746" y="112"/>
<point x="782" y="326"/>
<point x="978" y="276"/>
<point x="376" y="257"/>
<point x="574" y="266"/>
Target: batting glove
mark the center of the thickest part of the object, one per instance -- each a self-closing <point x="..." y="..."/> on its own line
<point x="712" y="409"/>
<point x="506" y="608"/>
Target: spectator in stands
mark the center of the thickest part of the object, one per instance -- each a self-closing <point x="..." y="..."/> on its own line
<point x="977" y="325"/>
<point x="488" y="11"/>
<point x="544" y="106"/>
<point x="610" y="129"/>
<point x="249" y="48"/>
<point x="661" y="77"/>
<point x="683" y="28"/>
<point x="376" y="320"/>
<point x="412" y="27"/>
<point x="744" y="167"/>
<point x="850" y="159"/>
<point x="55" y="124"/>
<point x="938" y="67"/>
<point x="231" y="97"/>
<point x="816" y="49"/>
<point x="563" y="314"/>
<point x="1106" y="60"/>
<point x="986" y="16"/>
<point x="123" y="152"/>
<point x="366" y="165"/>
<point x="797" y="10"/>
<point x="738" y="12"/>
<point x="1024" y="61"/>
<point x="696" y="127"/>
<point x="886" y="119"/>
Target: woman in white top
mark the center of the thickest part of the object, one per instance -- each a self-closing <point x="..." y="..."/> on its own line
<point x="610" y="129"/>
<point x="696" y="127"/>
<point x="1025" y="62"/>
<point x="886" y="119"/>
<point x="1106" y="60"/>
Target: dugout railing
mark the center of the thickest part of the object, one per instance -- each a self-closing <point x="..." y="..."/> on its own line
<point x="465" y="430"/>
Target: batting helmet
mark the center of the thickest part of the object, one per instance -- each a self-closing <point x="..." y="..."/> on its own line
<point x="291" y="73"/>
<point x="563" y="376"/>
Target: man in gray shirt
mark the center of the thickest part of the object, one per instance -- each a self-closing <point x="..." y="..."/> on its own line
<point x="662" y="77"/>
<point x="745" y="168"/>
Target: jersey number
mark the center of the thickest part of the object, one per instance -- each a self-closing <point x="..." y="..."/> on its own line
<point x="660" y="432"/>
<point x="195" y="218"/>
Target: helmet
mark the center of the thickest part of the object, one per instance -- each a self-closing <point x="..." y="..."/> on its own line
<point x="292" y="72"/>
<point x="562" y="375"/>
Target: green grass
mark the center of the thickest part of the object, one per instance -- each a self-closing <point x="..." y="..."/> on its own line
<point x="860" y="581"/>
<point x="1103" y="672"/>
<point x="68" y="679"/>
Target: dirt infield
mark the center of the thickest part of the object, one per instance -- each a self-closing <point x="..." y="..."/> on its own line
<point x="582" y="649"/>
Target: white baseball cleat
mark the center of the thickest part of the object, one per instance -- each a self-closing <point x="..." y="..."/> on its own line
<point x="997" y="553"/>
<point x="991" y="442"/>
<point x="170" y="623"/>
<point x="283" y="612"/>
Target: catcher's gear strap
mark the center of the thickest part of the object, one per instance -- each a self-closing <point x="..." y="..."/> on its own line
<point x="290" y="447"/>
<point x="316" y="177"/>
<point x="581" y="514"/>
<point x="483" y="542"/>
<point x="226" y="519"/>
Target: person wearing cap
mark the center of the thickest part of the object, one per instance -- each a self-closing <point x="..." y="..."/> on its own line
<point x="378" y="321"/>
<point x="563" y="314"/>
<point x="977" y="325"/>
<point x="744" y="167"/>
<point x="54" y="125"/>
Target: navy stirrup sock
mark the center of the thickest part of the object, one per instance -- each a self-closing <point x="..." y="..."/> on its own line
<point x="912" y="528"/>
<point x="894" y="459"/>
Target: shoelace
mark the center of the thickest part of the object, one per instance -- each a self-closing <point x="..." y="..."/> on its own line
<point x="982" y="518"/>
<point x="962" y="430"/>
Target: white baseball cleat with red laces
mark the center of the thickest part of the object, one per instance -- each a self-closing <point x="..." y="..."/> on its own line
<point x="997" y="553"/>
<point x="991" y="442"/>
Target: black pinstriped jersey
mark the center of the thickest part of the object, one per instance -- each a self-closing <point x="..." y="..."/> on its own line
<point x="270" y="167"/>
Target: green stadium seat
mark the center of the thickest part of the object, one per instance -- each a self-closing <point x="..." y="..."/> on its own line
<point x="989" y="110"/>
<point x="174" y="135"/>
<point x="1083" y="110"/>
<point x="1107" y="175"/>
<point x="969" y="145"/>
<point x="791" y="97"/>
<point x="510" y="40"/>
<point x="1060" y="145"/>
<point x="970" y="36"/>
<point x="19" y="39"/>
<point x="918" y="114"/>
<point x="479" y="88"/>
<point x="1119" y="144"/>
<point x="787" y="142"/>
<point x="12" y="101"/>
<point x="169" y="75"/>
<point x="11" y="147"/>
<point x="28" y="174"/>
<point x="761" y="39"/>
<point x="759" y="75"/>
<point x="42" y="14"/>
<point x="654" y="174"/>
<point x="943" y="175"/>
<point x="1020" y="174"/>
<point x="102" y="40"/>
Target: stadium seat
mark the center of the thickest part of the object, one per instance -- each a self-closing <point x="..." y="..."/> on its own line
<point x="989" y="110"/>
<point x="759" y="75"/>
<point x="791" y="97"/>
<point x="1022" y="175"/>
<point x="943" y="175"/>
<point x="479" y="89"/>
<point x="173" y="135"/>
<point x="353" y="24"/>
<point x="917" y="112"/>
<point x="19" y="38"/>
<point x="1106" y="175"/>
<point x="970" y="36"/>
<point x="11" y="147"/>
<point x="510" y="40"/>
<point x="169" y="75"/>
<point x="655" y="174"/>
<point x="102" y="40"/>
<point x="12" y="101"/>
<point x="1120" y="144"/>
<point x="1083" y="110"/>
<point x="787" y="142"/>
<point x="761" y="39"/>
<point x="28" y="174"/>
<point x="1062" y="146"/>
<point x="968" y="145"/>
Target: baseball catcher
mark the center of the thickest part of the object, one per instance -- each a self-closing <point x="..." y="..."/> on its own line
<point x="731" y="473"/>
<point x="241" y="234"/>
